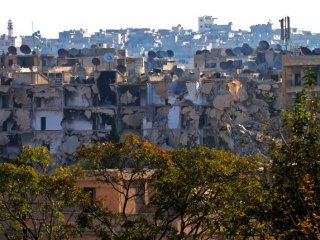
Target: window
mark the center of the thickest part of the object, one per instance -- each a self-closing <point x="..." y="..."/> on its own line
<point x="92" y="196"/>
<point x="297" y="79"/>
<point x="5" y="126"/>
<point x="43" y="123"/>
<point x="38" y="102"/>
<point x="5" y="101"/>
<point x="91" y="192"/>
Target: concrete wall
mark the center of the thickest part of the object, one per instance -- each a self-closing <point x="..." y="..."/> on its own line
<point x="53" y="120"/>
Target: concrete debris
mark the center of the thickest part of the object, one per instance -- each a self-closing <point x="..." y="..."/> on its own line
<point x="87" y="113"/>
<point x="162" y="89"/>
<point x="4" y="89"/>
<point x="223" y="101"/>
<point x="70" y="145"/>
<point x="109" y="112"/>
<point x="4" y="140"/>
<point x="133" y="120"/>
<point x="264" y="87"/>
<point x="4" y="115"/>
<point x="23" y="120"/>
<point x="207" y="87"/>
<point x="46" y="92"/>
<point x="21" y="97"/>
<point x="127" y="98"/>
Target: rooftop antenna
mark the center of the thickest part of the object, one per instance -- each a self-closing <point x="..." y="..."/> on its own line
<point x="285" y="31"/>
<point x="10" y="31"/>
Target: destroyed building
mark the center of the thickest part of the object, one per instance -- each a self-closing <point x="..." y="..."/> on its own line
<point x="223" y="102"/>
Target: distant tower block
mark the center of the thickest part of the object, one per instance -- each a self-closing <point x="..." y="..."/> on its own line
<point x="10" y="28"/>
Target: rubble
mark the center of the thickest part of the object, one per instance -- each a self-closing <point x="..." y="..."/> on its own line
<point x="23" y="120"/>
<point x="4" y="115"/>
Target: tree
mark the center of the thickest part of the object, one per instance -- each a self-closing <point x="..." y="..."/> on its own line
<point x="194" y="193"/>
<point x="129" y="166"/>
<point x="209" y="193"/>
<point x="33" y="200"/>
<point x="296" y="168"/>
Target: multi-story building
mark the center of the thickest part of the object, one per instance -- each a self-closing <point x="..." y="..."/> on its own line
<point x="293" y="71"/>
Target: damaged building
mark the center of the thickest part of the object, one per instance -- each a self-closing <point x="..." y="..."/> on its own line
<point x="76" y="98"/>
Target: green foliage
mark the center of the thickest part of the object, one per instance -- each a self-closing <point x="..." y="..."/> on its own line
<point x="32" y="201"/>
<point x="197" y="193"/>
<point x="210" y="192"/>
<point x="125" y="165"/>
<point x="296" y="168"/>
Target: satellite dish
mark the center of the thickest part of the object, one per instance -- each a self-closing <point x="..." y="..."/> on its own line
<point x="122" y="69"/>
<point x="316" y="51"/>
<point x="237" y="64"/>
<point x="230" y="53"/>
<point x="152" y="54"/>
<point x="25" y="49"/>
<point x="85" y="51"/>
<point x="170" y="53"/>
<point x="108" y="57"/>
<point x="237" y="51"/>
<point x="230" y="64"/>
<point x="246" y="50"/>
<point x="159" y="54"/>
<point x="224" y="65"/>
<point x="198" y="52"/>
<point x="12" y="50"/>
<point x="263" y="45"/>
<point x="62" y="53"/>
<point x="252" y="66"/>
<point x="205" y="51"/>
<point x="164" y="54"/>
<point x="95" y="61"/>
<point x="305" y="51"/>
<point x="261" y="57"/>
<point x="178" y="72"/>
<point x="74" y="52"/>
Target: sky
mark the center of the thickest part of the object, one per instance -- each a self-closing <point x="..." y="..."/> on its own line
<point x="52" y="17"/>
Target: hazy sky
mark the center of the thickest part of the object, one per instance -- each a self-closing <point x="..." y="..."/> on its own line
<point x="51" y="17"/>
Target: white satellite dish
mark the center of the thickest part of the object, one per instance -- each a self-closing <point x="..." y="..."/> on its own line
<point x="108" y="57"/>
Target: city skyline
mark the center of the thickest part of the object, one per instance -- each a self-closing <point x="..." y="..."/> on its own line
<point x="61" y="15"/>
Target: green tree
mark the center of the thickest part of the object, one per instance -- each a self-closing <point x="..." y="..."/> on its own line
<point x="128" y="166"/>
<point x="195" y="193"/>
<point x="296" y="168"/>
<point x="35" y="203"/>
<point x="209" y="193"/>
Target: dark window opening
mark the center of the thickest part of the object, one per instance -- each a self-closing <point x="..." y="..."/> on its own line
<point x="38" y="102"/>
<point x="5" y="126"/>
<point x="297" y="79"/>
<point x="5" y="101"/>
<point x="43" y="123"/>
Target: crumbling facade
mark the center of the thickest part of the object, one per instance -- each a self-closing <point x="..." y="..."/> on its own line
<point x="77" y="102"/>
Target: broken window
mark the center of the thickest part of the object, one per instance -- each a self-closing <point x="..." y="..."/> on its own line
<point x="38" y="102"/>
<point x="297" y="79"/>
<point x="43" y="123"/>
<point x="5" y="126"/>
<point x="5" y="101"/>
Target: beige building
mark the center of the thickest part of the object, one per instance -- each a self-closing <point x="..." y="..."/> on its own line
<point x="293" y="71"/>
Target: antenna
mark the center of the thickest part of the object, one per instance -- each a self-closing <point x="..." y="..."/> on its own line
<point x="285" y="31"/>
